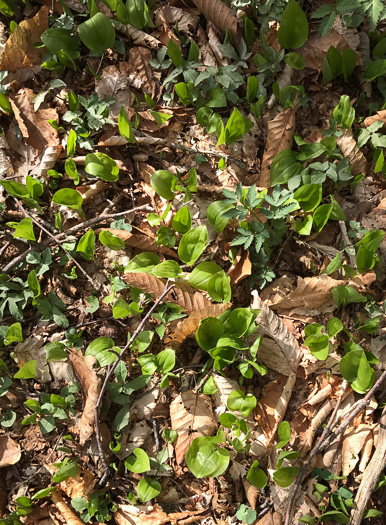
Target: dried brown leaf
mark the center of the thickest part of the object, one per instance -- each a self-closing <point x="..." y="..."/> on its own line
<point x="280" y="134"/>
<point x="183" y="295"/>
<point x="36" y="131"/>
<point x="310" y="292"/>
<point x="366" y="452"/>
<point x="138" y="37"/>
<point x="49" y="158"/>
<point x="379" y="115"/>
<point x="138" y="71"/>
<point x="315" y="49"/>
<point x="348" y="146"/>
<point x="242" y="268"/>
<point x="271" y="408"/>
<point x="353" y="441"/>
<point x="220" y="15"/>
<point x="187" y="22"/>
<point x="91" y="385"/>
<point x="79" y="486"/>
<point x="142" y="242"/>
<point x="66" y="513"/>
<point x="19" y="50"/>
<point x="131" y="515"/>
<point x="187" y="326"/>
<point x="191" y="416"/>
<point x="10" y="451"/>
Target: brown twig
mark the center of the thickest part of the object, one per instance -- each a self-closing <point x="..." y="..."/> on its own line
<point x="138" y="330"/>
<point x="203" y="380"/>
<point x="325" y="441"/>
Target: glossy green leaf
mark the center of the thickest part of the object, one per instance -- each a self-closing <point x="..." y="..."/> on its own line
<point x="294" y="60"/>
<point x="69" y="198"/>
<point x="102" y="166"/>
<point x="138" y="462"/>
<point x="293" y="30"/>
<point x="167" y="269"/>
<point x="23" y="229"/>
<point x="125" y="127"/>
<point x="182" y="221"/>
<point x="284" y="434"/>
<point x="205" y="459"/>
<point x="97" y="33"/>
<point x="375" y="69"/>
<point x="215" y="213"/>
<point x="334" y="326"/>
<point x="27" y="371"/>
<point x="163" y="182"/>
<point x="257" y="476"/>
<point x="148" y="489"/>
<point x="67" y="471"/>
<point x="284" y="166"/>
<point x="33" y="283"/>
<point x="111" y="241"/>
<point x="86" y="245"/>
<point x="143" y="262"/>
<point x="238" y="401"/>
<point x="321" y="216"/>
<point x="192" y="245"/>
<point x="209" y="332"/>
<point x="309" y="196"/>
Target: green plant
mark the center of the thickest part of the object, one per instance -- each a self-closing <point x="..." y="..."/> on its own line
<point x="336" y="63"/>
<point x="99" y="506"/>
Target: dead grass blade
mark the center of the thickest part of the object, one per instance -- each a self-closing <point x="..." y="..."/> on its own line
<point x="191" y="416"/>
<point x="183" y="295"/>
<point x="280" y="134"/>
<point x="19" y="50"/>
<point x="189" y="325"/>
<point x="91" y="385"/>
<point x="66" y="513"/>
<point x="220" y="15"/>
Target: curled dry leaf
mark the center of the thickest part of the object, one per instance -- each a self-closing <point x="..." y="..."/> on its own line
<point x="6" y="168"/>
<point x="279" y="349"/>
<point x="138" y="37"/>
<point x="36" y="131"/>
<point x="20" y="50"/>
<point x="191" y="417"/>
<point x="379" y="115"/>
<point x="189" y="325"/>
<point x="348" y="146"/>
<point x="66" y="513"/>
<point x="284" y="80"/>
<point x="91" y="385"/>
<point x="366" y="452"/>
<point x="251" y="492"/>
<point x="49" y="158"/>
<point x="280" y="134"/>
<point x="183" y="295"/>
<point x="353" y="441"/>
<point x="220" y="15"/>
<point x="130" y="515"/>
<point x="187" y="22"/>
<point x="242" y="267"/>
<point x="142" y="242"/>
<point x="272" y="406"/>
<point x="10" y="451"/>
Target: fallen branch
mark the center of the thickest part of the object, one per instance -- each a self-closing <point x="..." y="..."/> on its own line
<point x="139" y="329"/>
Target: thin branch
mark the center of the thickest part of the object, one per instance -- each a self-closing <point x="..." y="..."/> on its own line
<point x="110" y="371"/>
<point x="203" y="380"/>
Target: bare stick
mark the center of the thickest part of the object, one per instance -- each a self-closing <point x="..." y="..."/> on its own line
<point x="325" y="441"/>
<point x="110" y="371"/>
<point x="95" y="285"/>
<point x="203" y="380"/>
<point x="370" y="475"/>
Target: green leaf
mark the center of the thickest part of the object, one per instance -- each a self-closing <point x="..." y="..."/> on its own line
<point x="71" y="170"/>
<point x="23" y="229"/>
<point x="15" y="189"/>
<point x="43" y="493"/>
<point x="376" y="69"/>
<point x="67" y="471"/>
<point x="8" y="418"/>
<point x="102" y="166"/>
<point x="356" y="369"/>
<point x="344" y="295"/>
<point x="167" y="269"/>
<point x="284" y="477"/>
<point x="143" y="340"/>
<point x="14" y="334"/>
<point x="160" y="118"/>
<point x="69" y="198"/>
<point x="122" y="420"/>
<point x="209" y="332"/>
<point x="246" y="515"/>
<point x="365" y="259"/>
<point x="166" y="360"/>
<point x="55" y="351"/>
<point x="99" y="349"/>
<point x="239" y="321"/>
<point x="321" y="216"/>
<point x="334" y="265"/>
<point x="143" y="262"/>
<point x="169" y="435"/>
<point x="309" y="196"/>
<point x="215" y="213"/>
<point x="257" y="476"/>
<point x="334" y="326"/>
<point x="138" y="462"/>
<point x="205" y="459"/>
<point x="28" y="371"/>
<point x="97" y="33"/>
<point x="174" y="53"/>
<point x="202" y="273"/>
<point x="192" y="244"/>
<point x="239" y="402"/>
<point x="33" y="283"/>
<point x="163" y="182"/>
<point x="219" y="287"/>
<point x="252" y="88"/>
<point x="284" y="166"/>
<point x="71" y="143"/>
<point x="284" y="434"/>
<point x="148" y="489"/>
<point x="349" y="62"/>
<point x="111" y="241"/>
<point x="124" y="126"/>
<point x="182" y="221"/>
<point x="293" y="30"/>
<point x="344" y="112"/>
<point x="86" y="245"/>
<point x="334" y="516"/>
<point x="93" y="304"/>
<point x="234" y="129"/>
<point x="121" y="309"/>
<point x="294" y="60"/>
<point x="5" y="104"/>
<point x="318" y="345"/>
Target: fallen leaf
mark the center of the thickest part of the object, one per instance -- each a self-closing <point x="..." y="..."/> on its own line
<point x="138" y="70"/>
<point x="183" y="295"/>
<point x="366" y="452"/>
<point x="242" y="267"/>
<point x="272" y="406"/>
<point x="187" y="22"/>
<point x="33" y="125"/>
<point x="138" y="37"/>
<point x="20" y="50"/>
<point x="146" y="515"/>
<point x="191" y="416"/>
<point x="220" y="15"/>
<point x="379" y="115"/>
<point x="280" y="134"/>
<point x="79" y="486"/>
<point x="91" y="385"/>
<point x="10" y="452"/>
<point x="32" y="349"/>
<point x="353" y="441"/>
<point x="315" y="49"/>
<point x="66" y="513"/>
<point x="348" y="146"/>
<point x="189" y="325"/>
